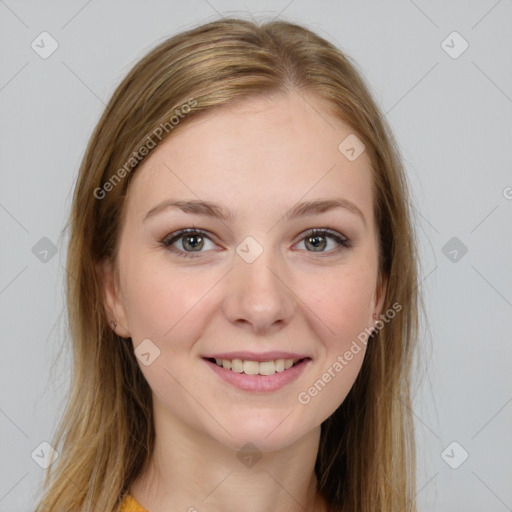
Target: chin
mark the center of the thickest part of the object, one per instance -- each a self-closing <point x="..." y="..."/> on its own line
<point x="267" y="432"/>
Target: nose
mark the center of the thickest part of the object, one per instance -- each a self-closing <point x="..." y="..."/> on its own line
<point x="257" y="295"/>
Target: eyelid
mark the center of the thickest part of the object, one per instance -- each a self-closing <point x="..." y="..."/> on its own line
<point x="176" y="235"/>
<point x="322" y="231"/>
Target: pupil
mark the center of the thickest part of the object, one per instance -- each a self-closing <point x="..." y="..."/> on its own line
<point x="318" y="242"/>
<point x="193" y="242"/>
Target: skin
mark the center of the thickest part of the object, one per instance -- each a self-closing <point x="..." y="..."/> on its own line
<point x="259" y="158"/>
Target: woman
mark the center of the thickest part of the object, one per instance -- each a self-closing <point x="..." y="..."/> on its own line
<point x="242" y="287"/>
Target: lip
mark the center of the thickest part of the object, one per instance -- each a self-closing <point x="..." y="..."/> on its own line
<point x="259" y="383"/>
<point x="254" y="356"/>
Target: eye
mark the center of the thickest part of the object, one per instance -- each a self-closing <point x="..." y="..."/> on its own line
<point x="324" y="240"/>
<point x="191" y="242"/>
<point x="187" y="241"/>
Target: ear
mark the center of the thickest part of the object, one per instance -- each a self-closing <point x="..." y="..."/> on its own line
<point x="378" y="299"/>
<point x="112" y="299"/>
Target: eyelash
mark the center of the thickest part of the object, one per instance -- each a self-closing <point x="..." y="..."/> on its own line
<point x="169" y="239"/>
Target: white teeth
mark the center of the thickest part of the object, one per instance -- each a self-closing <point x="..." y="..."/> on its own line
<point x="267" y="368"/>
<point x="255" y="367"/>
<point x="251" y="367"/>
<point x="237" y="365"/>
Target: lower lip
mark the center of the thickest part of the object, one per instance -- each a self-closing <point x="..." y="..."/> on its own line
<point x="259" y="383"/>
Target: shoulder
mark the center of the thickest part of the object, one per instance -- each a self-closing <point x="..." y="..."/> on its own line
<point x="128" y="504"/>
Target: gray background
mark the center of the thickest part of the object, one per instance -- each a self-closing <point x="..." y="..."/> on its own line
<point x="452" y="119"/>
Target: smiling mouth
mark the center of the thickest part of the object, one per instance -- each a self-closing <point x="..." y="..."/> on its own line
<point x="263" y="368"/>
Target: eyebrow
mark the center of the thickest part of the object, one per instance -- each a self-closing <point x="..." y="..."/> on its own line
<point x="210" y="209"/>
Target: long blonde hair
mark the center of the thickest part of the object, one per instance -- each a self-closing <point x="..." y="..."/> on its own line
<point x="366" y="459"/>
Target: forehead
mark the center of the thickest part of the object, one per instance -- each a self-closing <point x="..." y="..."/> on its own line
<point x="273" y="149"/>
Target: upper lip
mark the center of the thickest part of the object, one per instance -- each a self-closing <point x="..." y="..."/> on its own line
<point x="253" y="356"/>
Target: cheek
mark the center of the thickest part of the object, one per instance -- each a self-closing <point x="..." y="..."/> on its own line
<point x="160" y="300"/>
<point x="341" y="300"/>
<point x="340" y="304"/>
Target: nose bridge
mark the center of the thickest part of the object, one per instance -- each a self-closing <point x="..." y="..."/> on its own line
<point x="257" y="294"/>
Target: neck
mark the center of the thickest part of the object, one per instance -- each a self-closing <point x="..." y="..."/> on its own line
<point x="192" y="472"/>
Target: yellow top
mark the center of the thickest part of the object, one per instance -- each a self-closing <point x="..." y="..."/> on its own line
<point x="130" y="505"/>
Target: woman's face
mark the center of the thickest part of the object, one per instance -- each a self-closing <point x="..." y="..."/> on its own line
<point x="249" y="284"/>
